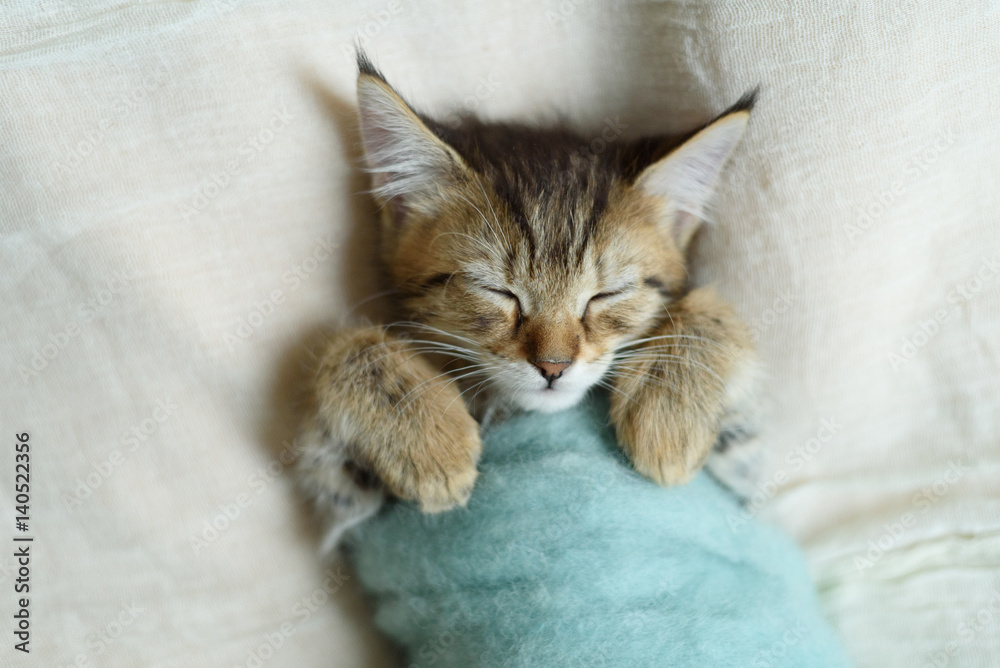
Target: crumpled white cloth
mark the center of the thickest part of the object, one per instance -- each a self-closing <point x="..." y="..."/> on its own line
<point x="180" y="214"/>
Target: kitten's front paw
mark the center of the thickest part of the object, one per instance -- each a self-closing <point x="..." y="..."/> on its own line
<point x="399" y="418"/>
<point x="659" y="465"/>
<point x="437" y="474"/>
<point x="666" y="415"/>
<point x="665" y="444"/>
<point x="672" y="393"/>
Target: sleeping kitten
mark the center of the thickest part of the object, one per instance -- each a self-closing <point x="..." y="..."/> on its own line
<point x="528" y="270"/>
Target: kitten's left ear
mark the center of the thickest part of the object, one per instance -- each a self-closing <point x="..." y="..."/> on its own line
<point x="408" y="162"/>
<point x="686" y="177"/>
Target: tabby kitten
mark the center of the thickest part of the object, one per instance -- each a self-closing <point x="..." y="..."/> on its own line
<point x="529" y="269"/>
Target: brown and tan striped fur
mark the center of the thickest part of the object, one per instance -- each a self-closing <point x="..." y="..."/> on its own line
<point x="528" y="270"/>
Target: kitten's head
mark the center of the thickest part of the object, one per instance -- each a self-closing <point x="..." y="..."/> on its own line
<point x="532" y="254"/>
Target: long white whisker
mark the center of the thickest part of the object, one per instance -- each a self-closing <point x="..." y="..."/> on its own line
<point x="454" y="379"/>
<point x="479" y="242"/>
<point x="464" y="391"/>
<point x="493" y="211"/>
<point x="605" y="384"/>
<point x="399" y="407"/>
<point x="689" y="362"/>
<point x="457" y="353"/>
<point x="629" y="344"/>
<point x="654" y="350"/>
<point x="490" y="227"/>
<point x="425" y="326"/>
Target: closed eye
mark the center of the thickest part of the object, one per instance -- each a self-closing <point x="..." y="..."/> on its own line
<point x="508" y="295"/>
<point x="605" y="296"/>
<point x="611" y="294"/>
<point x="503" y="293"/>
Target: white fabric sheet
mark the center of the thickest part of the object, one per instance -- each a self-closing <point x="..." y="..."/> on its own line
<point x="180" y="215"/>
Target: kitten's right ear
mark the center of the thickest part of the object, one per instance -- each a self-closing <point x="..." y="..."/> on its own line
<point x="685" y="178"/>
<point x="408" y="162"/>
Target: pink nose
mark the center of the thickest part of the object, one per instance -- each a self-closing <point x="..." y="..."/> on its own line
<point x="551" y="370"/>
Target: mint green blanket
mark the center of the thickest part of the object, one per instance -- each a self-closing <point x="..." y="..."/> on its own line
<point x="566" y="557"/>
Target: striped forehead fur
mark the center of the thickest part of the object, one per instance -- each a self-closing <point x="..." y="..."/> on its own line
<point x="553" y="186"/>
<point x="552" y="191"/>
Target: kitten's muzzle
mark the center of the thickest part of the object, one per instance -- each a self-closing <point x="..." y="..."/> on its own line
<point x="551" y="370"/>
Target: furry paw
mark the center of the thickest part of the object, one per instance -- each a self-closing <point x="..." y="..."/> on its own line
<point x="437" y="468"/>
<point x="342" y="494"/>
<point x="399" y="419"/>
<point x="677" y="391"/>
<point x="665" y="443"/>
<point x="436" y="483"/>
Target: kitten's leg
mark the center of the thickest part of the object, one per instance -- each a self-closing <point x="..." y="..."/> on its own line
<point x="382" y="410"/>
<point x="737" y="457"/>
<point x="342" y="493"/>
<point x="676" y="394"/>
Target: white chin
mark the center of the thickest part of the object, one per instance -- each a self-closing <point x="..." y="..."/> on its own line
<point x="548" y="401"/>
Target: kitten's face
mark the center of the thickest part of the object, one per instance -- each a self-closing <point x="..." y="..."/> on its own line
<point x="530" y="254"/>
<point x="542" y="306"/>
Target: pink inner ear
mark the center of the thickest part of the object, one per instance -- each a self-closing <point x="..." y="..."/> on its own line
<point x="685" y="224"/>
<point x="378" y="139"/>
<point x="397" y="210"/>
<point x="687" y="177"/>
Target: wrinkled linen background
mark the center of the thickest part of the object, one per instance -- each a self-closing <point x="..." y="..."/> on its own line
<point x="181" y="213"/>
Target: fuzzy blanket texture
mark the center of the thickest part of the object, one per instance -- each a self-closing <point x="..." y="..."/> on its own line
<point x="182" y="210"/>
<point x="565" y="556"/>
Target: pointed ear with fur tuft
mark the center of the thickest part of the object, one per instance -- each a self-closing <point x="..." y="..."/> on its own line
<point x="685" y="178"/>
<point x="409" y="163"/>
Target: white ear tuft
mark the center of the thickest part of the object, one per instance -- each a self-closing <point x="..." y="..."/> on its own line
<point x="402" y="153"/>
<point x="686" y="178"/>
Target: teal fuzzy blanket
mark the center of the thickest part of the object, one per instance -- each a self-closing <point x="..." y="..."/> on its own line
<point x="567" y="557"/>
